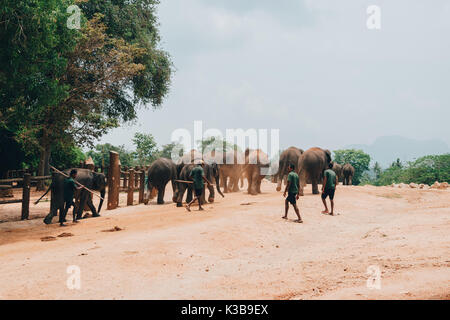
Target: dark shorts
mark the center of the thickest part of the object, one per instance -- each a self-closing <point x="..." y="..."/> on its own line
<point x="68" y="203"/>
<point x="198" y="192"/>
<point x="292" y="198"/>
<point x="328" y="193"/>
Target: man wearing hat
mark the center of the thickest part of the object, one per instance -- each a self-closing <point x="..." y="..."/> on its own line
<point x="198" y="176"/>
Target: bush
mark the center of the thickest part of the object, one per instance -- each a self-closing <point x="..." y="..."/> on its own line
<point x="424" y="170"/>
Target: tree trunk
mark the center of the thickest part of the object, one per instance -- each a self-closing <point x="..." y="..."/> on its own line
<point x="43" y="168"/>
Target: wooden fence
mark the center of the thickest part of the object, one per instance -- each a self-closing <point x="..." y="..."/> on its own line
<point x="128" y="180"/>
<point x="26" y="188"/>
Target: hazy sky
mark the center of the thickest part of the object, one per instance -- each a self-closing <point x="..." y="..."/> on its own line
<point x="310" y="68"/>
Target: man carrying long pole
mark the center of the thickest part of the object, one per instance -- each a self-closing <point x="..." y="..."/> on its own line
<point x="69" y="187"/>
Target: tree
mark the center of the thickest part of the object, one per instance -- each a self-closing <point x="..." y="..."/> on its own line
<point x="72" y="86"/>
<point x="66" y="156"/>
<point x="135" y="22"/>
<point x="377" y="170"/>
<point x="34" y="46"/>
<point x="166" y="151"/>
<point x="146" y="150"/>
<point x="216" y="143"/>
<point x="100" y="155"/>
<point x="357" y="158"/>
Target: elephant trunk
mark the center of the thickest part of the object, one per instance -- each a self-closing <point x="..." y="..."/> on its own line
<point x="218" y="186"/>
<point x="102" y="194"/>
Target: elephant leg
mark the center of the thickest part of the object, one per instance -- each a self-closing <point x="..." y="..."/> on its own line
<point x="212" y="194"/>
<point x="225" y="184"/>
<point x="174" y="190"/>
<point x="254" y="184"/>
<point x="315" y="186"/>
<point x="302" y="182"/>
<point x="78" y="211"/>
<point x="92" y="207"/>
<point x="350" y="182"/>
<point x="181" y="189"/>
<point x="258" y="185"/>
<point x="189" y="196"/>
<point x="250" y="183"/>
<point x="280" y="178"/>
<point x="235" y="184"/>
<point x="161" y="191"/>
<point x="221" y="177"/>
<point x="285" y="180"/>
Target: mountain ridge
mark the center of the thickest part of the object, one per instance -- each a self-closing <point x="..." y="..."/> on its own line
<point x="387" y="149"/>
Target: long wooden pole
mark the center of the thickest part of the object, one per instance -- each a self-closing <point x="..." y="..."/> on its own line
<point x="79" y="184"/>
<point x="182" y="181"/>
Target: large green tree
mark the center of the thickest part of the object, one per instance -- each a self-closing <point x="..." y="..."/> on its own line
<point x="135" y="22"/>
<point x="71" y="86"/>
<point x="34" y="45"/>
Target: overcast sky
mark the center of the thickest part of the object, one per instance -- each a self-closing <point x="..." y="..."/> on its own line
<point x="310" y="68"/>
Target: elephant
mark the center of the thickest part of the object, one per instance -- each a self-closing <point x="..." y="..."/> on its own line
<point x="289" y="156"/>
<point x="189" y="158"/>
<point x="92" y="180"/>
<point x="311" y="166"/>
<point x="256" y="162"/>
<point x="230" y="168"/>
<point x="348" y="172"/>
<point x="337" y="168"/>
<point x="211" y="174"/>
<point x="159" y="174"/>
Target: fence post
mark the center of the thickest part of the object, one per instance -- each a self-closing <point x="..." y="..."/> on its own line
<point x="125" y="177"/>
<point x="136" y="181"/>
<point x="113" y="180"/>
<point x="130" y="188"/>
<point x="141" y="186"/>
<point x="26" y="196"/>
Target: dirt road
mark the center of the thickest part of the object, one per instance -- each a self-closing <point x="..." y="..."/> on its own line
<point x="240" y="248"/>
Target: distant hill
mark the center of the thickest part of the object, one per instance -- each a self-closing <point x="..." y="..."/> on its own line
<point x="387" y="149"/>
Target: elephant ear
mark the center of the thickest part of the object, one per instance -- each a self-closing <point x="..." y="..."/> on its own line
<point x="328" y="153"/>
<point x="99" y="181"/>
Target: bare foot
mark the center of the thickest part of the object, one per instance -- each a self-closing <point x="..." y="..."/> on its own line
<point x="188" y="209"/>
<point x="201" y="209"/>
<point x="285" y="218"/>
<point x="325" y="212"/>
<point x="299" y="221"/>
<point x="62" y="225"/>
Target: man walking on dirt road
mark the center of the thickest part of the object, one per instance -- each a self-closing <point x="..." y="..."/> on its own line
<point x="292" y="188"/>
<point x="198" y="176"/>
<point x="330" y="181"/>
<point x="69" y="189"/>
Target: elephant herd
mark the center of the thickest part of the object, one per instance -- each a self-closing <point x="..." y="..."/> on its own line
<point x="310" y="166"/>
<point x="226" y="170"/>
